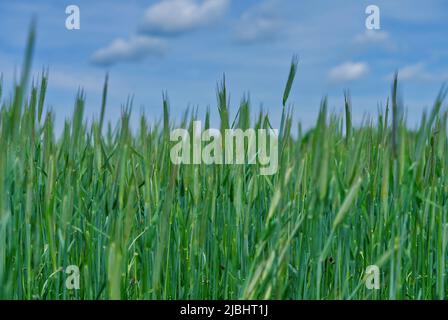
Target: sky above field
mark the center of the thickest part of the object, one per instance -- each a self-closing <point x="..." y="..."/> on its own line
<point x="185" y="47"/>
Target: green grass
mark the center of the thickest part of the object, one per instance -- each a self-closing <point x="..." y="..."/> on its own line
<point x="108" y="200"/>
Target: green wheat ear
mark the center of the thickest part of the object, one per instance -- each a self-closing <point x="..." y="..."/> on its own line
<point x="139" y="227"/>
<point x="27" y="62"/>
<point x="1" y="85"/>
<point x="103" y="102"/>
<point x="291" y="76"/>
<point x="289" y="82"/>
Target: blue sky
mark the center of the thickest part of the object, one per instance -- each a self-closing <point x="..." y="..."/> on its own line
<point x="185" y="46"/>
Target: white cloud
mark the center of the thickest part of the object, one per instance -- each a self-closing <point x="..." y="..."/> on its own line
<point x="259" y="23"/>
<point x="134" y="49"/>
<point x="348" y="71"/>
<point x="372" y="37"/>
<point x="413" y="71"/>
<point x="166" y="17"/>
<point x="419" y="72"/>
<point x="179" y="16"/>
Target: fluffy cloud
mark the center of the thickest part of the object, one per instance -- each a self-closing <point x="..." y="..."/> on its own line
<point x="419" y="72"/>
<point x="170" y="17"/>
<point x="165" y="18"/>
<point x="413" y="71"/>
<point x="134" y="49"/>
<point x="348" y="71"/>
<point x="258" y="24"/>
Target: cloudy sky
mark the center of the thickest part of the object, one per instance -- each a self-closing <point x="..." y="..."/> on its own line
<point x="185" y="46"/>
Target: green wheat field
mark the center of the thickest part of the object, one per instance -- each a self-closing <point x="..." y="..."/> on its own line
<point x="108" y="199"/>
